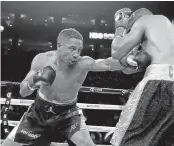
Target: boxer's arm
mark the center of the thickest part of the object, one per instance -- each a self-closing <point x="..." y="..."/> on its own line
<point x="108" y="64"/>
<point x="129" y="71"/>
<point x="122" y="46"/>
<point x="35" y="66"/>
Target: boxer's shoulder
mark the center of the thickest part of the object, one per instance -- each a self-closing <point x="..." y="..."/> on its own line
<point x="86" y="61"/>
<point x="46" y="56"/>
<point x="49" y="54"/>
<point x="41" y="59"/>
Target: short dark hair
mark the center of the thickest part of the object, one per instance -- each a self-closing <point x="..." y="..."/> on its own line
<point x="69" y="33"/>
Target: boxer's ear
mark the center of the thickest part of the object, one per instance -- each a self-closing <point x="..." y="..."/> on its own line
<point x="58" y="46"/>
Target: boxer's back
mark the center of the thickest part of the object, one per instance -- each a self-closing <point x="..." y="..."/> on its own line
<point x="158" y="40"/>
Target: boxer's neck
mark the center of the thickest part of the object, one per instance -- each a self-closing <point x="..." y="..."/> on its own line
<point x="62" y="65"/>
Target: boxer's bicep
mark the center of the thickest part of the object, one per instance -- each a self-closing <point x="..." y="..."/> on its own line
<point x="115" y="44"/>
<point x="108" y="64"/>
<point x="100" y="65"/>
<point x="89" y="64"/>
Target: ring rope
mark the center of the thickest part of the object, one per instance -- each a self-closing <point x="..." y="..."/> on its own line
<point x="83" y="89"/>
<point x="60" y="144"/>
<point x="25" y="102"/>
<point x="90" y="127"/>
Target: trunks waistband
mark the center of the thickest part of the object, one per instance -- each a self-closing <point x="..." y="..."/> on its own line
<point x="46" y="106"/>
<point x="160" y="71"/>
<point x="69" y="102"/>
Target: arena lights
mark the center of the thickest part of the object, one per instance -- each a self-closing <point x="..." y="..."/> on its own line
<point x="12" y="15"/>
<point x="51" y="19"/>
<point x="92" y="21"/>
<point x="10" y="40"/>
<point x="50" y="44"/>
<point x="96" y="35"/>
<point x="1" y="28"/>
<point x="23" y="16"/>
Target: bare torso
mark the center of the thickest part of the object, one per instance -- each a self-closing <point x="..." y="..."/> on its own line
<point x="67" y="82"/>
<point x="159" y="39"/>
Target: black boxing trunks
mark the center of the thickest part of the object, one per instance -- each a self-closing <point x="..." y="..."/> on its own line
<point x="48" y="121"/>
<point x="148" y="116"/>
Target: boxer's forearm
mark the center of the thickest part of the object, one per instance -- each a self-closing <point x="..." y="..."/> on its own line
<point x="113" y="64"/>
<point x="115" y="46"/>
<point x="120" y="50"/>
<point x="24" y="90"/>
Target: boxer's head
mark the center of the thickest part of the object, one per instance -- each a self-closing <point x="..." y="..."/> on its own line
<point x="137" y="14"/>
<point x="69" y="45"/>
<point x="122" y="17"/>
<point x="126" y="18"/>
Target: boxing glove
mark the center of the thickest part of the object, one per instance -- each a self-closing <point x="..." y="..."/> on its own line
<point x="143" y="59"/>
<point x="46" y="76"/>
<point x="128" y="61"/>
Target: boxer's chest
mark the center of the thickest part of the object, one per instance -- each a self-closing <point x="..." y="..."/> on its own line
<point x="66" y="79"/>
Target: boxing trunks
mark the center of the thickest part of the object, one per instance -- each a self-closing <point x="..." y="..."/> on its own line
<point x="48" y="121"/>
<point x="149" y="113"/>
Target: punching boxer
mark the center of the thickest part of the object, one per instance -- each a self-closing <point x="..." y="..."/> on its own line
<point x="58" y="76"/>
<point x="148" y="116"/>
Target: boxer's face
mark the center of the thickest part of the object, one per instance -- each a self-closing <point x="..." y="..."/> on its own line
<point x="70" y="50"/>
<point x="121" y="20"/>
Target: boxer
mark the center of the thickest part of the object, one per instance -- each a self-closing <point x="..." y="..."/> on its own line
<point x="148" y="115"/>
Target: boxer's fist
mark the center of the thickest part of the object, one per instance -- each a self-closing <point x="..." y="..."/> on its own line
<point x="44" y="76"/>
<point x="143" y="59"/>
<point x="129" y="61"/>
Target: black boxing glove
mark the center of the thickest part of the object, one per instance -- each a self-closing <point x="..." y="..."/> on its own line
<point x="143" y="59"/>
<point x="46" y="75"/>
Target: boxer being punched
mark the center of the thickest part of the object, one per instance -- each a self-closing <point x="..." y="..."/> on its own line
<point x="148" y="115"/>
<point x="58" y="75"/>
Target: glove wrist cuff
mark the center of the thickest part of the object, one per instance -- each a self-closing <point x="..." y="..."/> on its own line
<point x="30" y="87"/>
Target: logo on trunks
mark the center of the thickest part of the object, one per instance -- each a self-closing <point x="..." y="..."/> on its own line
<point x="74" y="126"/>
<point x="50" y="110"/>
<point x="30" y="134"/>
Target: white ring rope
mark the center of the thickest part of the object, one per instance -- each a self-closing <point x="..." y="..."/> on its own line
<point x="61" y="144"/>
<point x="90" y="127"/>
<point x="25" y="102"/>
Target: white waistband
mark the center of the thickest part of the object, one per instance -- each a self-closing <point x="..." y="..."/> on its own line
<point x="69" y="102"/>
<point x="160" y="71"/>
